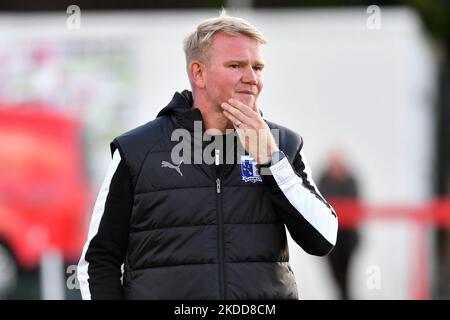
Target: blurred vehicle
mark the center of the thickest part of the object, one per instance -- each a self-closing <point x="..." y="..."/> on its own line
<point x="43" y="189"/>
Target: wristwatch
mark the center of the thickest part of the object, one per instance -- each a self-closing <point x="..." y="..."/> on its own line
<point x="276" y="157"/>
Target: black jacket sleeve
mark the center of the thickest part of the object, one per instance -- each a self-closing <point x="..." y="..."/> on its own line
<point x="99" y="270"/>
<point x="311" y="221"/>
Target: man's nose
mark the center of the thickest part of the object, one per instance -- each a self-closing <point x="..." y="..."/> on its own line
<point x="249" y="76"/>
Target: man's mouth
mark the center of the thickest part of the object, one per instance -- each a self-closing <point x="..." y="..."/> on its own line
<point x="247" y="92"/>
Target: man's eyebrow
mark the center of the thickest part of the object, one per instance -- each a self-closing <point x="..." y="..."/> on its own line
<point x="258" y="63"/>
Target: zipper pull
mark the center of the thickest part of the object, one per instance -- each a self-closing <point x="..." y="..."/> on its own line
<point x="218" y="185"/>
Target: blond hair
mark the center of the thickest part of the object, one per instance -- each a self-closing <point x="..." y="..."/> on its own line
<point x="197" y="43"/>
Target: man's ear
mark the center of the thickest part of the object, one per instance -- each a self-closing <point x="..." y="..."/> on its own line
<point x="197" y="73"/>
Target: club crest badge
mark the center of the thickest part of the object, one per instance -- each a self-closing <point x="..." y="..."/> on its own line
<point x="249" y="171"/>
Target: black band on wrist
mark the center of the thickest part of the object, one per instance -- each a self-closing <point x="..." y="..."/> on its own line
<point x="275" y="158"/>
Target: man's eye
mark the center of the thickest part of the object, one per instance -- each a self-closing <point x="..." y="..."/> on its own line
<point x="234" y="66"/>
<point x="257" y="68"/>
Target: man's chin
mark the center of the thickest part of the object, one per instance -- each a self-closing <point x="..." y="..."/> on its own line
<point x="247" y="99"/>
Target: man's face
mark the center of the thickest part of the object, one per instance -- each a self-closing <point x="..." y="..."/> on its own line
<point x="234" y="70"/>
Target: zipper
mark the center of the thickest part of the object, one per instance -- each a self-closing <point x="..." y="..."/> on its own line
<point x="218" y="185"/>
<point x="220" y="244"/>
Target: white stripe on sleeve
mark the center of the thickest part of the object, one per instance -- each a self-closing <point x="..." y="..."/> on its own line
<point x="97" y="214"/>
<point x="304" y="201"/>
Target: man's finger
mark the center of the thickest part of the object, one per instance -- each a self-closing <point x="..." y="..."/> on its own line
<point x="237" y="113"/>
<point x="246" y="110"/>
<point x="257" y="108"/>
<point x="236" y="122"/>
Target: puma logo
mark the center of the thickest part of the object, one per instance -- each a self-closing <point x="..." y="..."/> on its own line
<point x="165" y="164"/>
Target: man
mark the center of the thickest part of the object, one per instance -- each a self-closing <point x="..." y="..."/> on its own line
<point x="340" y="187"/>
<point x="194" y="230"/>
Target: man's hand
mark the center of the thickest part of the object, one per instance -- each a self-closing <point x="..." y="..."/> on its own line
<point x="253" y="131"/>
